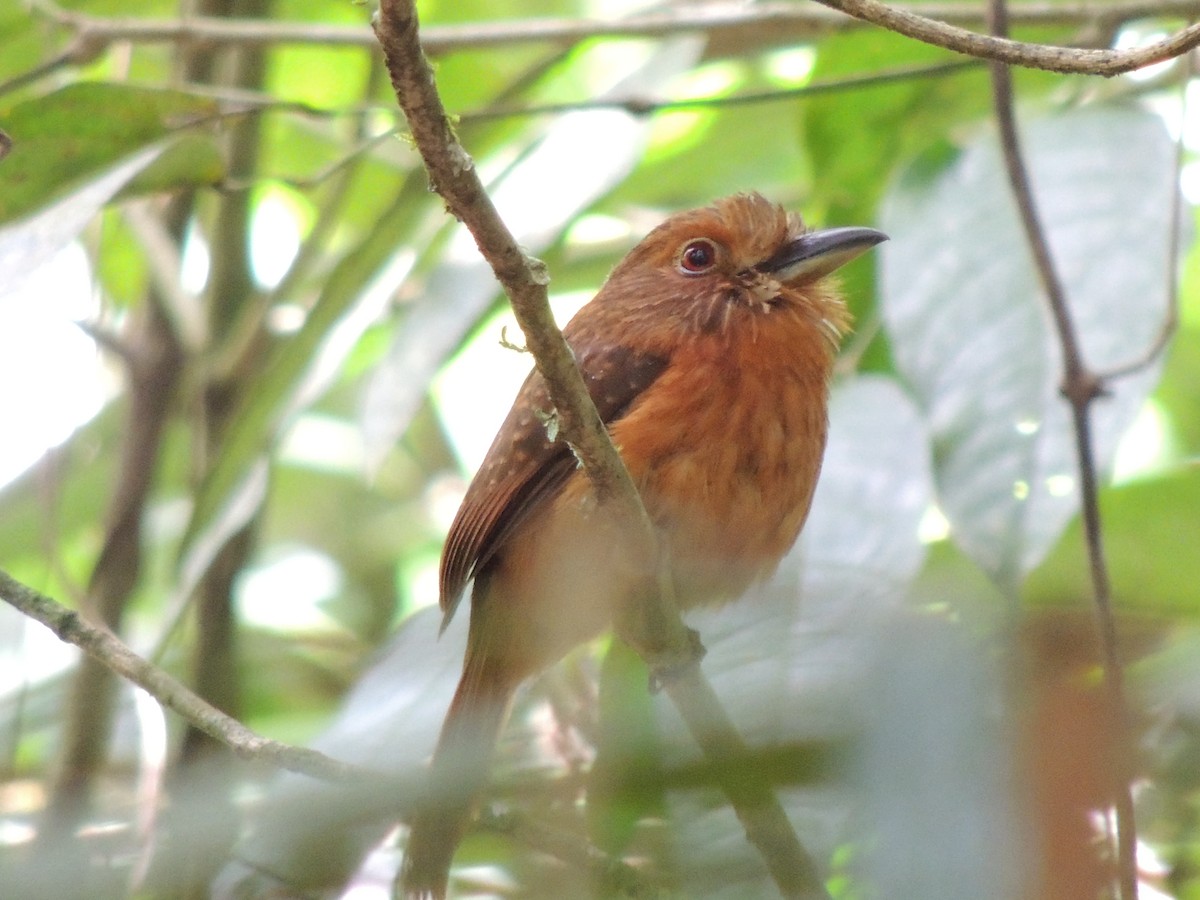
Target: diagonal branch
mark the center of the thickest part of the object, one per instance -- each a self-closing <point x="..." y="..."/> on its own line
<point x="105" y="647"/>
<point x="655" y="629"/>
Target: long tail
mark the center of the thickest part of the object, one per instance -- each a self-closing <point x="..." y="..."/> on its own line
<point x="459" y="773"/>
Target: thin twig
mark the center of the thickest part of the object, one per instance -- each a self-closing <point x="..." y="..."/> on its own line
<point x="29" y="76"/>
<point x="1170" y="320"/>
<point x="1081" y="387"/>
<point x="1049" y="57"/>
<point x="644" y="106"/>
<point x="105" y="647"/>
<point x="406" y="791"/>
<point x="655" y="629"/>
<point x="236" y="103"/>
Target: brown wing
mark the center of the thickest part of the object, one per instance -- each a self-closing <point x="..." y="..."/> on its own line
<point x="524" y="467"/>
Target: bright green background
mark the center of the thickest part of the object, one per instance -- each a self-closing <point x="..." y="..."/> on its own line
<point x="876" y="675"/>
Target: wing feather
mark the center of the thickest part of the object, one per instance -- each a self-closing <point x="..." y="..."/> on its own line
<point x="524" y="467"/>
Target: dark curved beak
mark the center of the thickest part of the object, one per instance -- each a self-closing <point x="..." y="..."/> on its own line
<point x="817" y="253"/>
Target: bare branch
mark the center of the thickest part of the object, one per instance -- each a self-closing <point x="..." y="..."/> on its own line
<point x="102" y="645"/>
<point x="235" y="103"/>
<point x="1080" y="386"/>
<point x="1001" y="49"/>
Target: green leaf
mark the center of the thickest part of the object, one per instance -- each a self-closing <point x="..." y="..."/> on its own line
<point x="1151" y="532"/>
<point x="857" y="138"/>
<point x="23" y="38"/>
<point x="190" y="160"/>
<point x="968" y="328"/>
<point x="1177" y="391"/>
<point x="67" y="138"/>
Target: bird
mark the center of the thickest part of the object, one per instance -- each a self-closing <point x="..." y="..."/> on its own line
<point x="708" y="353"/>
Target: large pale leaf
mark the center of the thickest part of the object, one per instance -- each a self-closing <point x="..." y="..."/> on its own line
<point x="903" y="701"/>
<point x="790" y="665"/>
<point x="937" y="803"/>
<point x="969" y="331"/>
<point x="856" y="556"/>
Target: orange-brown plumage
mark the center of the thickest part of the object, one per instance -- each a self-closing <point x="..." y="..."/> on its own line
<point x="707" y="352"/>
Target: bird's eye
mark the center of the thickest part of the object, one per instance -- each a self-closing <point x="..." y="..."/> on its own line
<point x="697" y="257"/>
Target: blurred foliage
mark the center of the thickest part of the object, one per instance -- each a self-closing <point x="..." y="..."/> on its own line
<point x="919" y="681"/>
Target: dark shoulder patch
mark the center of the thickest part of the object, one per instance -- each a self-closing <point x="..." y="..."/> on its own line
<point x="615" y="376"/>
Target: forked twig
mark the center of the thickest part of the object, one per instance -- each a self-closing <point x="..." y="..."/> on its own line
<point x="1080" y="386"/>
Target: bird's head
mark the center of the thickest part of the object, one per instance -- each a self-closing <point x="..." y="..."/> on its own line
<point x="708" y="269"/>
